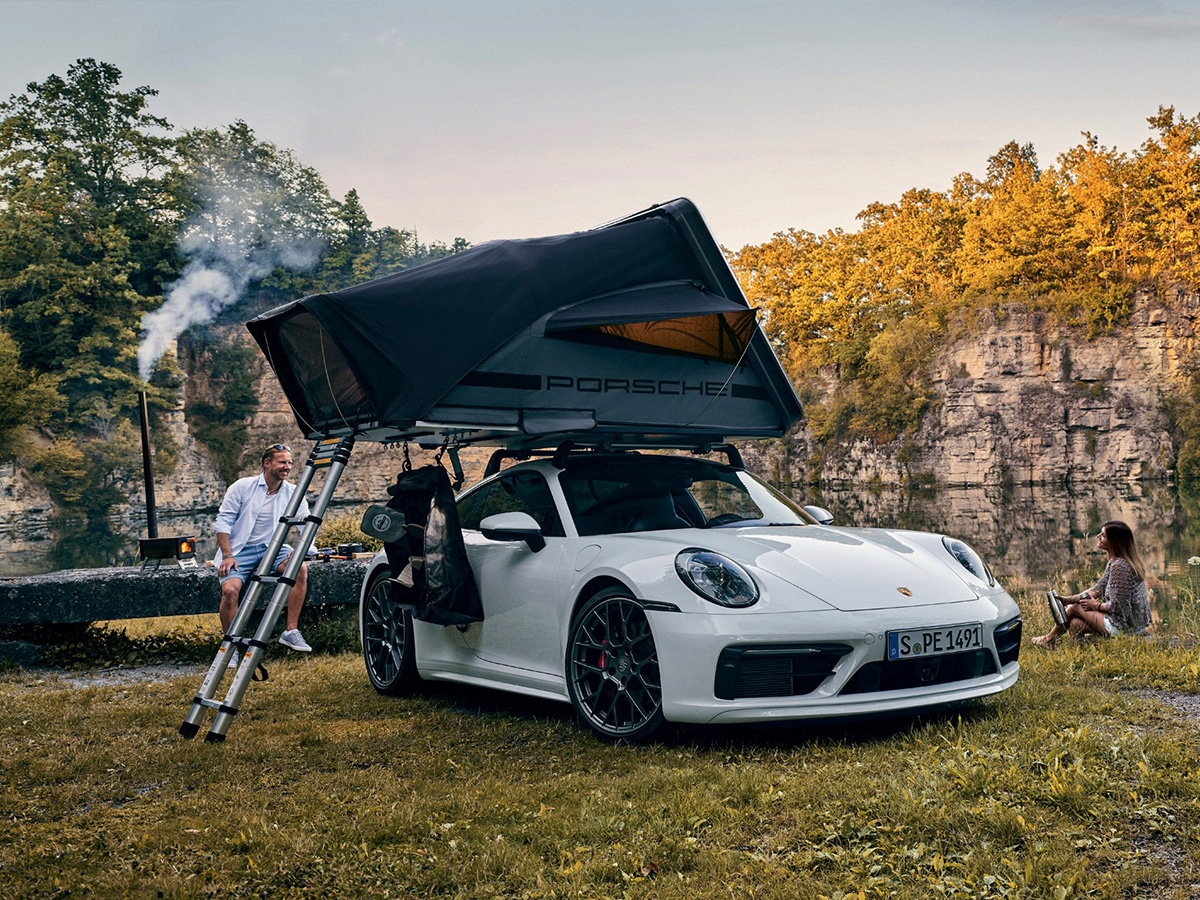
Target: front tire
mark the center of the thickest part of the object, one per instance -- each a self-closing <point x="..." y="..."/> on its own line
<point x="387" y="638"/>
<point x="612" y="668"/>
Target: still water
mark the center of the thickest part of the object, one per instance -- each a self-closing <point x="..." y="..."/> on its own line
<point x="1043" y="537"/>
<point x="1031" y="536"/>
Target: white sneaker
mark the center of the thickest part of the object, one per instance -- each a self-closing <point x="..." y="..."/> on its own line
<point x="294" y="640"/>
<point x="234" y="661"/>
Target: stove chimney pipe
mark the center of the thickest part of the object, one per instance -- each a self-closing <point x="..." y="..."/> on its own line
<point x="147" y="469"/>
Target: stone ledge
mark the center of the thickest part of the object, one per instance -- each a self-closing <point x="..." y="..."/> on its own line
<point x="91" y="595"/>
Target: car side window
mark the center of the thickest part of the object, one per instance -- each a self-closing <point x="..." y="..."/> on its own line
<point x="525" y="492"/>
<point x="470" y="507"/>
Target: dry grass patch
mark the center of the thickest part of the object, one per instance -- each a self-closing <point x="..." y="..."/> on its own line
<point x="1070" y="785"/>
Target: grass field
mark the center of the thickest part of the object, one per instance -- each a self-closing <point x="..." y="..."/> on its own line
<point x="1077" y="783"/>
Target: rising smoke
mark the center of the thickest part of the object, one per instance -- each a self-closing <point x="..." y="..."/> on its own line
<point x="238" y="237"/>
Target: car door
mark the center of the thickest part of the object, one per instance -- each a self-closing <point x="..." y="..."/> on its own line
<point x="521" y="590"/>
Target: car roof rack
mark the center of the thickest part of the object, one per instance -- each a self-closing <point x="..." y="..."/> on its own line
<point x="568" y="449"/>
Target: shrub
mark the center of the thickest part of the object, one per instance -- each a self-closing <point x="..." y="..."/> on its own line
<point x="89" y="475"/>
<point x="1183" y="410"/>
<point x="343" y="529"/>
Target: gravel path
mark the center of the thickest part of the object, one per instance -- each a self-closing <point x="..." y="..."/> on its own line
<point x="1187" y="705"/>
<point x="122" y="675"/>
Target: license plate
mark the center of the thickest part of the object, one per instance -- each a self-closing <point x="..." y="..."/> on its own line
<point x="934" y="641"/>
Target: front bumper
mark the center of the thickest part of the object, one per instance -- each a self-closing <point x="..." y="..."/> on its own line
<point x="838" y="660"/>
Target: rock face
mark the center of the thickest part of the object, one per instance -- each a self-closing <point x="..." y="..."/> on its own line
<point x="20" y="495"/>
<point x="1022" y="400"/>
<point x="194" y="483"/>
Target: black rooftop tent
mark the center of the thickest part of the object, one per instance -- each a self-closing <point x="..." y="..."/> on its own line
<point x="635" y="332"/>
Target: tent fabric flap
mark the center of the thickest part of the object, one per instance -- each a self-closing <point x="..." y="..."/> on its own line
<point x="330" y="389"/>
<point x="489" y="336"/>
<point x="315" y="375"/>
<point x="681" y="318"/>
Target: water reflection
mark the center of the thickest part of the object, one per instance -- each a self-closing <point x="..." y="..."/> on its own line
<point x="96" y="545"/>
<point x="1043" y="535"/>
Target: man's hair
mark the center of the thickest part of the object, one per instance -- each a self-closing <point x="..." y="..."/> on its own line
<point x="273" y="449"/>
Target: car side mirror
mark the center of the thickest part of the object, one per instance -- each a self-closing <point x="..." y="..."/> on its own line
<point x="513" y="526"/>
<point x="822" y="515"/>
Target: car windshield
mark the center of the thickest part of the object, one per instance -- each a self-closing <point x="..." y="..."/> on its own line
<point x="652" y="493"/>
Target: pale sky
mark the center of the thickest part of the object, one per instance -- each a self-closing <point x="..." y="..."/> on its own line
<point x="516" y="118"/>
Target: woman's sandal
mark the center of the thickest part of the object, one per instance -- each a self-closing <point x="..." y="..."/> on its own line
<point x="1044" y="642"/>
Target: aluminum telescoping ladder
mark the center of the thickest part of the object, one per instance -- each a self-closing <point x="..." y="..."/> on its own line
<point x="332" y="454"/>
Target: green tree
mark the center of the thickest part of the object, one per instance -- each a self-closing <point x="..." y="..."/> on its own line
<point x="896" y="385"/>
<point x="100" y="208"/>
<point x="87" y="222"/>
<point x="359" y="245"/>
<point x="1097" y="182"/>
<point x="63" y="469"/>
<point x="221" y="405"/>
<point x="359" y="252"/>
<point x="857" y="317"/>
<point x="813" y="295"/>
<point x="87" y="475"/>
<point x="247" y="194"/>
<point x="258" y="222"/>
<point x="351" y="257"/>
<point x="1184" y="409"/>
<point x="26" y="399"/>
<point x="911" y="245"/>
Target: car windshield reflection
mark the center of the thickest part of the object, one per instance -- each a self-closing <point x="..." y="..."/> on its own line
<point x="649" y="493"/>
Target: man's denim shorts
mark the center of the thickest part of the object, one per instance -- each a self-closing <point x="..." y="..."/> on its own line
<point x="250" y="556"/>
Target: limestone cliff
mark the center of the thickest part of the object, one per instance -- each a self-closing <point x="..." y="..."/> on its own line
<point x="1021" y="399"/>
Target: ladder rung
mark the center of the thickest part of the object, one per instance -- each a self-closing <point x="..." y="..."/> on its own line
<point x="275" y="579"/>
<point x="328" y="452"/>
<point x="211" y="703"/>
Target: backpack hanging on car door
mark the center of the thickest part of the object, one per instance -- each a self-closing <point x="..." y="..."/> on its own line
<point x="429" y="559"/>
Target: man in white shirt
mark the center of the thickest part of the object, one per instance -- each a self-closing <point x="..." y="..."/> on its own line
<point x="245" y="523"/>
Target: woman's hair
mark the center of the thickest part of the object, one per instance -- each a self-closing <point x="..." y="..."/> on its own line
<point x="1121" y="543"/>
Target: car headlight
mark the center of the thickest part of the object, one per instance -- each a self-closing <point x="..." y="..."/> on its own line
<point x="970" y="560"/>
<point x="715" y="578"/>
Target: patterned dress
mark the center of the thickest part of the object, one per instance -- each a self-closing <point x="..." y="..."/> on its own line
<point x="1128" y="602"/>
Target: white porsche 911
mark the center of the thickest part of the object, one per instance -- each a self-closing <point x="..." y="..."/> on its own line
<point x="643" y="588"/>
<point x="647" y="589"/>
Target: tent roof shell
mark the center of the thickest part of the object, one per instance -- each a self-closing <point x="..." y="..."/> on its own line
<point x="633" y="333"/>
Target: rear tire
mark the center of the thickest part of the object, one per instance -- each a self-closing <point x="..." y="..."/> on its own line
<point x="612" y="669"/>
<point x="387" y="639"/>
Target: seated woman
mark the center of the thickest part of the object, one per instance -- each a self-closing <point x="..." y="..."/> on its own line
<point x="1117" y="603"/>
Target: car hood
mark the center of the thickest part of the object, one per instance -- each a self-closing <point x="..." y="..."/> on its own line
<point x="851" y="568"/>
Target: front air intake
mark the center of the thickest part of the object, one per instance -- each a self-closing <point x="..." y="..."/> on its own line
<point x="775" y="670"/>
<point x="921" y="671"/>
